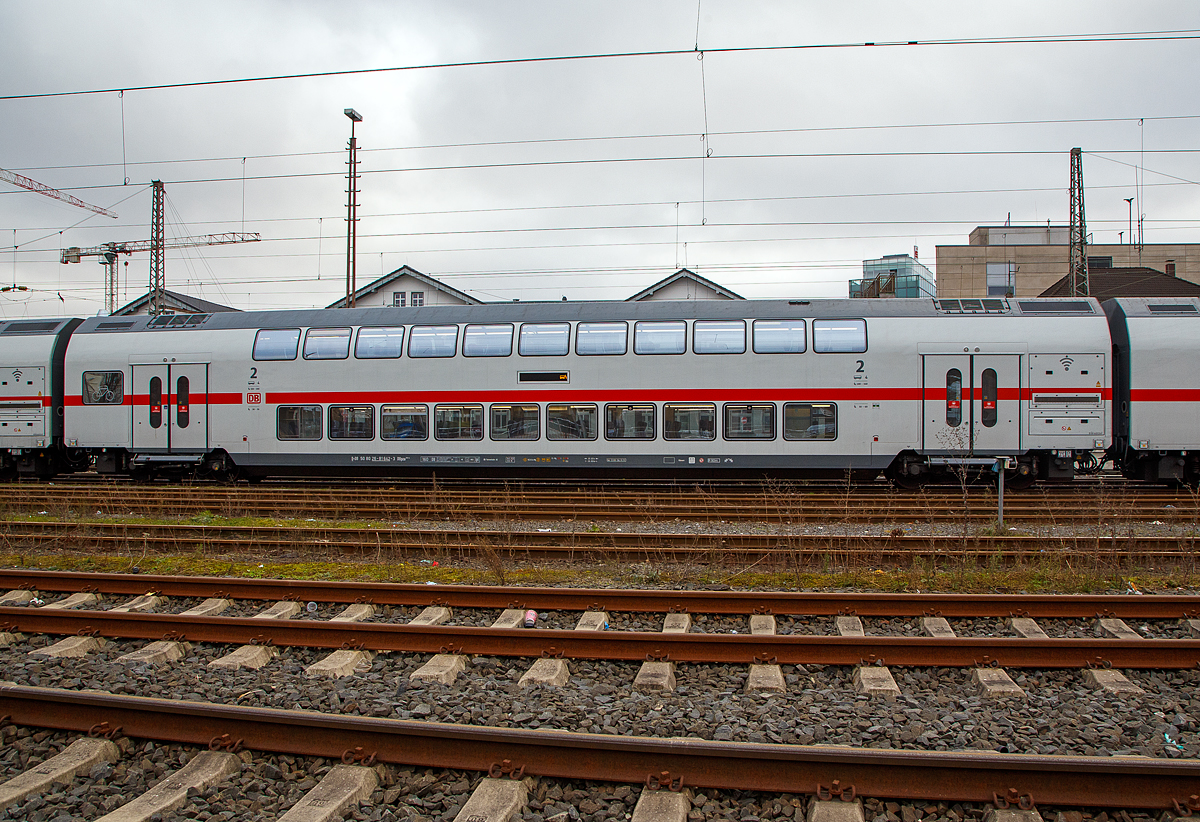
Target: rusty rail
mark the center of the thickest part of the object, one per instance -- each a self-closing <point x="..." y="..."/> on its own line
<point x="902" y="774"/>
<point x="636" y="545"/>
<point x="779" y="503"/>
<point x="813" y="603"/>
<point x="958" y="652"/>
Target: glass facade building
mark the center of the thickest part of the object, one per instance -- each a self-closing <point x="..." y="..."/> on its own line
<point x="894" y="275"/>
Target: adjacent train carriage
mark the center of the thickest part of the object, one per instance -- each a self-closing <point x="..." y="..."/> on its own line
<point x="1156" y="387"/>
<point x="693" y="389"/>
<point x="31" y="398"/>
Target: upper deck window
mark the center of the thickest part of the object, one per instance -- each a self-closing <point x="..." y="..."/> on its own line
<point x="660" y="337"/>
<point x="327" y="344"/>
<point x="839" y="336"/>
<point x="433" y="341"/>
<point x="601" y="338"/>
<point x="719" y="337"/>
<point x="779" y="337"/>
<point x="276" y="343"/>
<point x="379" y="343"/>
<point x="488" y="340"/>
<point x="544" y="339"/>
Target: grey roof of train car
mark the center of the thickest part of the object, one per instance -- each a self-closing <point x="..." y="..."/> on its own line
<point x="33" y="325"/>
<point x="580" y="311"/>
<point x="1145" y="306"/>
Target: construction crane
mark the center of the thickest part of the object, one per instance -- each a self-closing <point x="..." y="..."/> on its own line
<point x="156" y="245"/>
<point x="109" y="252"/>
<point x="34" y="185"/>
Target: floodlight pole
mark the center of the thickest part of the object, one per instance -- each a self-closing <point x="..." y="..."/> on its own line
<point x="352" y="212"/>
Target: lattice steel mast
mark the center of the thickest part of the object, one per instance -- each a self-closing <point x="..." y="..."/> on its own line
<point x="1078" y="281"/>
<point x="158" y="259"/>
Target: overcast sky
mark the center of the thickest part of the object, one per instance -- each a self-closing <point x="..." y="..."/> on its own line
<point x="579" y="178"/>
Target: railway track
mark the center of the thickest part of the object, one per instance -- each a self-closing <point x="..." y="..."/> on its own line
<point x="817" y="603"/>
<point x="390" y="735"/>
<point x="1092" y="502"/>
<point x="716" y="547"/>
<point x="648" y="764"/>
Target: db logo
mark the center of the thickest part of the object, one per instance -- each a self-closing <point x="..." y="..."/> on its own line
<point x="253" y="399"/>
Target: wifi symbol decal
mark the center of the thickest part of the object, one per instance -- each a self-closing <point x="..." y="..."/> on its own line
<point x="1066" y="363"/>
<point x="16" y="373"/>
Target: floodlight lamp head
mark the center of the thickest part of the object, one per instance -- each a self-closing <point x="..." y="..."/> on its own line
<point x="353" y="115"/>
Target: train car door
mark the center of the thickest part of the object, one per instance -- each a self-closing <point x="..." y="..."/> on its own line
<point x="995" y="403"/>
<point x="947" y="408"/>
<point x="972" y="403"/>
<point x="171" y="407"/>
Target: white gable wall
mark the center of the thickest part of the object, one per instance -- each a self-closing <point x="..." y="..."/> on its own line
<point x="685" y="289"/>
<point x="407" y="285"/>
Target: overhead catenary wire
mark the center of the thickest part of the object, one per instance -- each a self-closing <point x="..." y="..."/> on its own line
<point x="621" y="137"/>
<point x="1035" y="39"/>
<point x="1179" y="181"/>
<point x="703" y="201"/>
<point x="590" y="161"/>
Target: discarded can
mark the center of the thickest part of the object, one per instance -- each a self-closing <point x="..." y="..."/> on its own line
<point x="530" y="619"/>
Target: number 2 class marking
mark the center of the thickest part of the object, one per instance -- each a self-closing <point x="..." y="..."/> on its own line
<point x="861" y="366"/>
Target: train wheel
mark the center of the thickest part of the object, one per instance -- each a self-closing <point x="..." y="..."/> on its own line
<point x="900" y="473"/>
<point x="1020" y="477"/>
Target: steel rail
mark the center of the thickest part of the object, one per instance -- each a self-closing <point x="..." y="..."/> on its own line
<point x="1082" y="505"/>
<point x="810" y="603"/>
<point x="1115" y="782"/>
<point x="792" y="649"/>
<point x="614" y="544"/>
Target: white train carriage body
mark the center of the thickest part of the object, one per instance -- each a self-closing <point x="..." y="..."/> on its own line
<point x="1156" y="386"/>
<point x="31" y="394"/>
<point x="692" y="387"/>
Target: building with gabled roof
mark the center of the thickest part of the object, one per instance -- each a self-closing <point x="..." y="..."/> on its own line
<point x="173" y="303"/>
<point x="1107" y="283"/>
<point x="407" y="288"/>
<point x="684" y="285"/>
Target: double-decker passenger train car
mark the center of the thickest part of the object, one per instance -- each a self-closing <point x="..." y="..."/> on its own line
<point x="31" y="398"/>
<point x="1156" y="387"/>
<point x="688" y="389"/>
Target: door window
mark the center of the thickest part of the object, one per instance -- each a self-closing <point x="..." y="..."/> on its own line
<point x="988" y="415"/>
<point x="183" y="415"/>
<point x="155" y="402"/>
<point x="953" y="398"/>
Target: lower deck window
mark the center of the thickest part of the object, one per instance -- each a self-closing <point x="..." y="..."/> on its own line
<point x="298" y="422"/>
<point x="458" y="422"/>
<point x="629" y="422"/>
<point x="514" y="422"/>
<point x="689" y="421"/>
<point x="404" y="422"/>
<point x="103" y="387"/>
<point x="750" y="422"/>
<point x="809" y="421"/>
<point x="351" y="422"/>
<point x="571" y="422"/>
